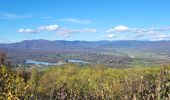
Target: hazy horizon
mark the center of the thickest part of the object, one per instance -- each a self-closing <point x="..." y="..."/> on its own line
<point x="8" y="42"/>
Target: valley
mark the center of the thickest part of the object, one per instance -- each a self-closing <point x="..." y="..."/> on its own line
<point x="109" y="53"/>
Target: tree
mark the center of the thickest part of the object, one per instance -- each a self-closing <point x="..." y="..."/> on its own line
<point x="2" y="58"/>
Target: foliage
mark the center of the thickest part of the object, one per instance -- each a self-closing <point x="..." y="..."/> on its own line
<point x="86" y="82"/>
<point x="12" y="84"/>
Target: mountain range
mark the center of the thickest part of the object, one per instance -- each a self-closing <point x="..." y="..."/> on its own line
<point x="62" y="45"/>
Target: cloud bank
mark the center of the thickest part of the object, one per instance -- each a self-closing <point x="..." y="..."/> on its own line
<point x="60" y="31"/>
<point x="161" y="33"/>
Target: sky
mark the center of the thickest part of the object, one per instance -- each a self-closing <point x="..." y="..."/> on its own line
<point x="89" y="20"/>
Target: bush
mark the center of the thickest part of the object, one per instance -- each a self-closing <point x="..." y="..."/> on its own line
<point x="86" y="82"/>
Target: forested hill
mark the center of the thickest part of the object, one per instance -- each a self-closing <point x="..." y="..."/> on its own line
<point x="88" y="45"/>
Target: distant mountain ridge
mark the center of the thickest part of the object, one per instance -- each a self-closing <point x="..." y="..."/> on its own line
<point x="87" y="45"/>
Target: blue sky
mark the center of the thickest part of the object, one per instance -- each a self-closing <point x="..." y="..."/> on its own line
<point x="89" y="20"/>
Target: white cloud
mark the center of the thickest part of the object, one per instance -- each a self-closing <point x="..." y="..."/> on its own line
<point x="152" y="36"/>
<point x="60" y="31"/>
<point x="21" y="30"/>
<point x="121" y="28"/>
<point x="109" y="36"/>
<point x="64" y="33"/>
<point x="78" y="21"/>
<point x="161" y="36"/>
<point x="153" y="33"/>
<point x="49" y="28"/>
<point x="88" y="30"/>
<point x="68" y="32"/>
